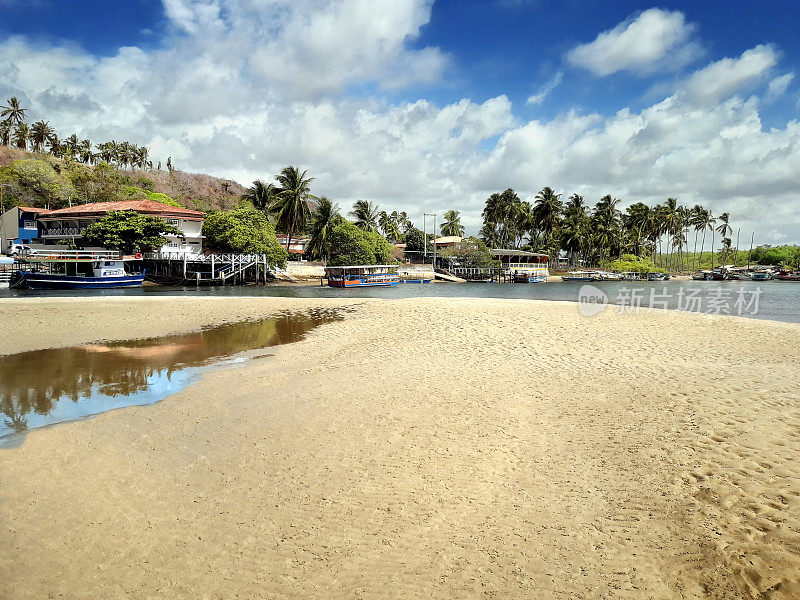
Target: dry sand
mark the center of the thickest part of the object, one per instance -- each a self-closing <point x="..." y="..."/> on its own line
<point x="420" y="448"/>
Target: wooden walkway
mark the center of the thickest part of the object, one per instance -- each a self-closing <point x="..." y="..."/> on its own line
<point x="209" y="269"/>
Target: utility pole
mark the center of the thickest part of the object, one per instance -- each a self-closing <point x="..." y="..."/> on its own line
<point x="750" y="256"/>
<point x="434" y="235"/>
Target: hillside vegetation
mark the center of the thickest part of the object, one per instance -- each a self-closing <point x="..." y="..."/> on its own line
<point x="42" y="180"/>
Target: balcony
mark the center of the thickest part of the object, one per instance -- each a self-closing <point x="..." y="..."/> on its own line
<point x="63" y="232"/>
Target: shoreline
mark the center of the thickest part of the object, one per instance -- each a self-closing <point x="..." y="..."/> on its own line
<point x="500" y="446"/>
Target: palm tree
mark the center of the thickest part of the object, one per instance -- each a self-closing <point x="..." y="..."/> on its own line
<point x="636" y="221"/>
<point x="262" y="195"/>
<point x="403" y="222"/>
<point x="20" y="136"/>
<point x="708" y="223"/>
<point x="452" y="224"/>
<point x="697" y="220"/>
<point x="546" y="215"/>
<point x="5" y="133"/>
<point x="13" y="112"/>
<point x="366" y="214"/>
<point x="324" y="218"/>
<point x="54" y="143"/>
<point x="606" y="226"/>
<point x="40" y="133"/>
<point x="724" y="229"/>
<point x="291" y="206"/>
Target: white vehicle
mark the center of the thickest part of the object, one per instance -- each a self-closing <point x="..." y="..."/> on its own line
<point x="16" y="249"/>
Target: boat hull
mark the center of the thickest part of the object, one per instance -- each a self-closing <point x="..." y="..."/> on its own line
<point x="416" y="280"/>
<point x="45" y="281"/>
<point x="355" y="283"/>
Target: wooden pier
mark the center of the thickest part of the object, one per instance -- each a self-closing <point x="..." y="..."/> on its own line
<point x="209" y="269"/>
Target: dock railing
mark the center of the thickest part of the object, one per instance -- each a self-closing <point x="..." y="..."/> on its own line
<point x="43" y="254"/>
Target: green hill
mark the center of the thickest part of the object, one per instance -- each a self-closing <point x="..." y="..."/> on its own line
<point x="42" y="180"/>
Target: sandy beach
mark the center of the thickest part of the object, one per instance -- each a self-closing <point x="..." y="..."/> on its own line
<point x="420" y="448"/>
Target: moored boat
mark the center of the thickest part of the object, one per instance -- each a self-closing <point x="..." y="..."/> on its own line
<point x="582" y="276"/>
<point x="78" y="269"/>
<point x="702" y="275"/>
<point x="658" y="277"/>
<point x="362" y="276"/>
<point x="761" y="275"/>
<point x="788" y="276"/>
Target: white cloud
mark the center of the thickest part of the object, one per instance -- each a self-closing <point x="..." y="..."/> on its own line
<point x="726" y="77"/>
<point x="545" y="90"/>
<point x="652" y="40"/>
<point x="779" y="85"/>
<point x="215" y="99"/>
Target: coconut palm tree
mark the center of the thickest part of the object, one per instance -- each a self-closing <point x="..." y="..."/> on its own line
<point x="452" y="224"/>
<point x="322" y="221"/>
<point x="724" y="229"/>
<point x="13" y="112"/>
<point x="365" y="214"/>
<point x="40" y="133"/>
<point x="5" y="133"/>
<point x="708" y="223"/>
<point x="20" y="136"/>
<point x="291" y="206"/>
<point x="262" y="195"/>
<point x="636" y="221"/>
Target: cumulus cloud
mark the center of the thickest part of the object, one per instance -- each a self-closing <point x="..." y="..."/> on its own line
<point x="649" y="41"/>
<point x="723" y="78"/>
<point x="216" y="99"/>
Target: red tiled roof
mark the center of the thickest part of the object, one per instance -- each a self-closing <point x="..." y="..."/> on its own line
<point x="148" y="207"/>
<point x="33" y="209"/>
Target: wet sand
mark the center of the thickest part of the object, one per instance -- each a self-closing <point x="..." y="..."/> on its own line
<point x="420" y="448"/>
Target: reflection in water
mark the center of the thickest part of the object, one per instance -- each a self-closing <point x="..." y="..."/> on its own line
<point x="49" y="386"/>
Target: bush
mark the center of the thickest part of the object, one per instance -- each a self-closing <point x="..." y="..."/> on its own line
<point x="244" y="230"/>
<point x="471" y="252"/>
<point x="36" y="182"/>
<point x="136" y="193"/>
<point x="129" y="232"/>
<point x="632" y="263"/>
<point x="351" y="245"/>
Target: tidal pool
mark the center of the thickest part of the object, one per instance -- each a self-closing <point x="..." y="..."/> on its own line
<point x="45" y="387"/>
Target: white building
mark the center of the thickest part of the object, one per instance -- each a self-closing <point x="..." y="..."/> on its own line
<point x="66" y="223"/>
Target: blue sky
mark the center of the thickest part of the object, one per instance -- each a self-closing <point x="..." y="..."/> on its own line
<point x="426" y="106"/>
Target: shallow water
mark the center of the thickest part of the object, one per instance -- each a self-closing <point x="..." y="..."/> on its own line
<point x="778" y="300"/>
<point x="45" y="387"/>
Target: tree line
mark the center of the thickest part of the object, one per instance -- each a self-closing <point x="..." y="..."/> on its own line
<point x="593" y="235"/>
<point x="42" y="137"/>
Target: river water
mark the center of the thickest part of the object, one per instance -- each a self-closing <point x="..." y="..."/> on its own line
<point x="45" y="387"/>
<point x="774" y="300"/>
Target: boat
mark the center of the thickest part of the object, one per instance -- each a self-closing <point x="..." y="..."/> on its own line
<point x="658" y="277"/>
<point x="78" y="269"/>
<point x="632" y="276"/>
<point x="761" y="275"/>
<point x="702" y="275"/>
<point x="609" y="276"/>
<point x="362" y="276"/>
<point x="788" y="276"/>
<point x="582" y="276"/>
<point x="415" y="280"/>
<point x="529" y="276"/>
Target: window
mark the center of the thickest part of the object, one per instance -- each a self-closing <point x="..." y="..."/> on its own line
<point x="29" y="224"/>
<point x="175" y="222"/>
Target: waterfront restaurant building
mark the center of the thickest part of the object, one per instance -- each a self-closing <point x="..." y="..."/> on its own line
<point x="522" y="262"/>
<point x="70" y="223"/>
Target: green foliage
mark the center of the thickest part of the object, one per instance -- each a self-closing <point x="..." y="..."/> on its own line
<point x="129" y="232"/>
<point x="243" y="230"/>
<point x="35" y="181"/>
<point x="788" y="256"/>
<point x="133" y="192"/>
<point x="632" y="263"/>
<point x="414" y="240"/>
<point x="348" y="244"/>
<point x="471" y="252"/>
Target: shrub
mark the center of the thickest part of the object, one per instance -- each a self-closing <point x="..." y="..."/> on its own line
<point x="243" y="230"/>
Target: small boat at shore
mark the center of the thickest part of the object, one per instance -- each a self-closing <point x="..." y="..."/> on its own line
<point x="415" y="280"/>
<point x="761" y="275"/>
<point x="658" y="277"/>
<point x="702" y="275"/>
<point x="362" y="276"/>
<point x="582" y="276"/>
<point x="788" y="276"/>
<point x="78" y="269"/>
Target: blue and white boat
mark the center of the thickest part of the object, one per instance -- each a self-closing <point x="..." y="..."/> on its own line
<point x="78" y="269"/>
